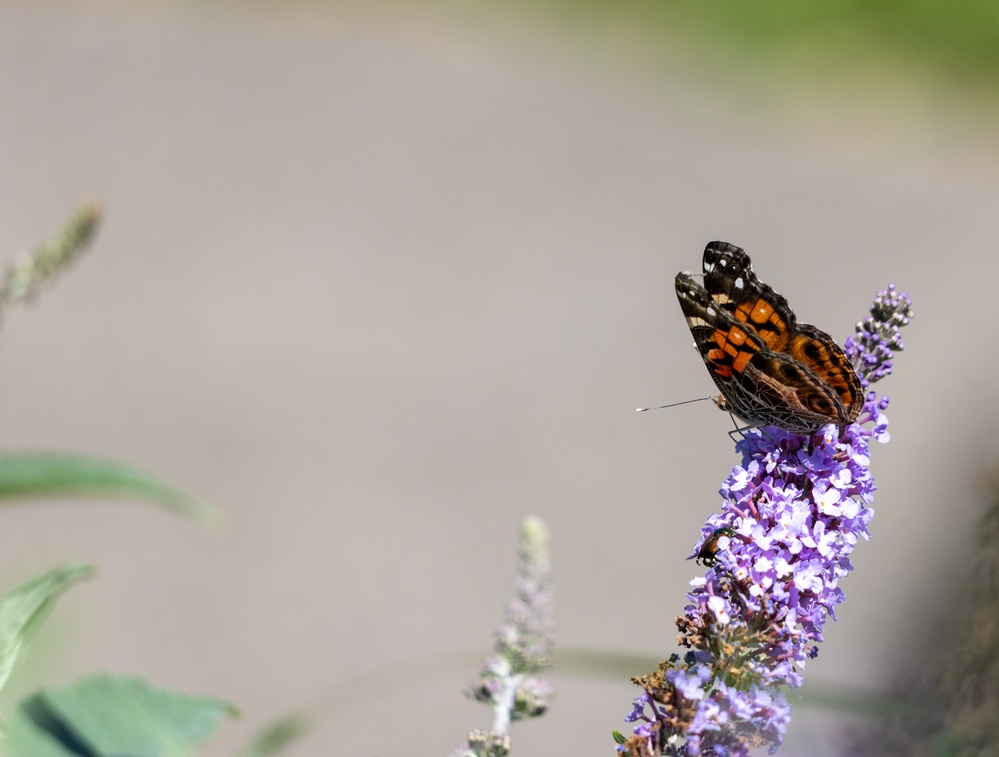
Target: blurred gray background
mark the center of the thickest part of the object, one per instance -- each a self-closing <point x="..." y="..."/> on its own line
<point x="381" y="280"/>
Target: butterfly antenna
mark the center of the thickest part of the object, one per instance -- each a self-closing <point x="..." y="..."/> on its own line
<point x="674" y="404"/>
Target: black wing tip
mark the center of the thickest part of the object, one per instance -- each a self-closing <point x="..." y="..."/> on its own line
<point x="719" y="246"/>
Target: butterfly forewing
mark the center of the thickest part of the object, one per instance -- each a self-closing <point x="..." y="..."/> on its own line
<point x="729" y="278"/>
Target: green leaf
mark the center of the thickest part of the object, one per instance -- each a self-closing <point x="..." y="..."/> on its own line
<point x="22" y="607"/>
<point x="105" y="716"/>
<point x="23" y="737"/>
<point x="619" y="738"/>
<point x="47" y="474"/>
<point x="275" y="737"/>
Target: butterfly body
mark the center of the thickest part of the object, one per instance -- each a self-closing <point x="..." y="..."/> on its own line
<point x="770" y="370"/>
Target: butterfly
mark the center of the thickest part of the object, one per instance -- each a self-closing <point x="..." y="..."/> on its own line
<point x="770" y="369"/>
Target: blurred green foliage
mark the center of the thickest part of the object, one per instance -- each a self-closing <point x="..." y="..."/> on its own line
<point x="104" y="715"/>
<point x="942" y="44"/>
<point x="959" y="38"/>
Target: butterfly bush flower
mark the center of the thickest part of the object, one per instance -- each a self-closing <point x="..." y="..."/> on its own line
<point x="878" y="335"/>
<point x="523" y="644"/>
<point x="791" y="514"/>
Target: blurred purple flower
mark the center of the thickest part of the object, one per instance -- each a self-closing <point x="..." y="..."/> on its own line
<point x="523" y="643"/>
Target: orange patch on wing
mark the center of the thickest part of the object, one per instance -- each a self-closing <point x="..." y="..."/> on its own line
<point x="736" y="336"/>
<point x="719" y="361"/>
<point x="761" y="312"/>
<point x="741" y="361"/>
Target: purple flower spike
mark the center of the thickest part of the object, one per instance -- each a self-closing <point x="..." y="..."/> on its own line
<point x="878" y="336"/>
<point x="523" y="642"/>
<point x="791" y="514"/>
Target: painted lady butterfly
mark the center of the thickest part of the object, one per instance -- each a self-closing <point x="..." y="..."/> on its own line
<point x="771" y="370"/>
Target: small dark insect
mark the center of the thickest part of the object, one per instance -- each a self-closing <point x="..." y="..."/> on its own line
<point x="706" y="554"/>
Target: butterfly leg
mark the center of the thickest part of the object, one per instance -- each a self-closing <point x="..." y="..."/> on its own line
<point x="738" y="430"/>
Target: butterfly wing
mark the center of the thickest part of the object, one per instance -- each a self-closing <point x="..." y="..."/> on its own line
<point x="787" y="394"/>
<point x="816" y="349"/>
<point x="729" y="279"/>
<point x="761" y="386"/>
<point x="717" y="335"/>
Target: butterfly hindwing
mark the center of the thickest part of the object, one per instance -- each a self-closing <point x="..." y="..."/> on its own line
<point x="816" y="349"/>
